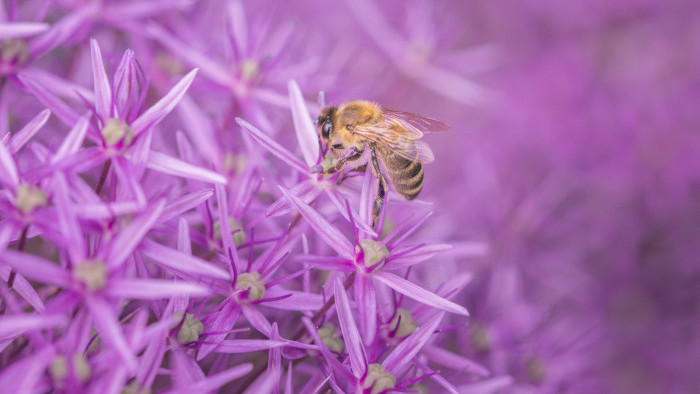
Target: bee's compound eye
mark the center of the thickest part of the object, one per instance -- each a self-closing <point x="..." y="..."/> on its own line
<point x="318" y="120"/>
<point x="350" y="127"/>
<point x="326" y="129"/>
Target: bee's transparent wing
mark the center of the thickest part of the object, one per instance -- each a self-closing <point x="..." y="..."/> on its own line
<point x="419" y="122"/>
<point x="401" y="141"/>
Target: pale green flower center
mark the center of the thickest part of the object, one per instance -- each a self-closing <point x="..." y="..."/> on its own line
<point x="190" y="330"/>
<point x="239" y="237"/>
<point x="378" y="379"/>
<point x="329" y="336"/>
<point x="374" y="252"/>
<point x="235" y="163"/>
<point x="91" y="273"/>
<point x="328" y="162"/>
<point x="402" y="325"/>
<point x="249" y="69"/>
<point x="135" y="388"/>
<point x="251" y="281"/>
<point x="535" y="370"/>
<point x="58" y="369"/>
<point x="14" y="51"/>
<point x="29" y="197"/>
<point x="116" y="130"/>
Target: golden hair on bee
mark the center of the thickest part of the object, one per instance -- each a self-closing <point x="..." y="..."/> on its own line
<point x="393" y="138"/>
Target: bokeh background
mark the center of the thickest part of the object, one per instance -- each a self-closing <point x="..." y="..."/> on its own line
<point x="574" y="154"/>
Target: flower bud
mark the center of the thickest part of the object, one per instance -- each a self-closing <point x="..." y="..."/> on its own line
<point x="374" y="252"/>
<point x="378" y="379"/>
<point x="251" y="282"/>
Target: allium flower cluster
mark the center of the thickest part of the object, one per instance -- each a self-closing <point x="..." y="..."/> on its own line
<point x="160" y="232"/>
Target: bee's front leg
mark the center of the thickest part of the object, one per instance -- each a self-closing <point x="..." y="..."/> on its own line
<point x="353" y="155"/>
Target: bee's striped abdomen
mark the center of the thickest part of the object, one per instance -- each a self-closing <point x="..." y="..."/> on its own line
<point x="405" y="175"/>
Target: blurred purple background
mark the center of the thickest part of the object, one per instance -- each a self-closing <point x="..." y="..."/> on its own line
<point x="574" y="153"/>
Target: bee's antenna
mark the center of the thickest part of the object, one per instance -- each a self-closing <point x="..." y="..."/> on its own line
<point x="322" y="99"/>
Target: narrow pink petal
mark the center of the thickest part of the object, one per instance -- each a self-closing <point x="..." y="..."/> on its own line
<point x="451" y="360"/>
<point x="272" y="146"/>
<point x="169" y="165"/>
<point x="351" y="336"/>
<point x="248" y="345"/>
<point x="67" y="220"/>
<point x="403" y="354"/>
<point x="74" y="139"/>
<point x="27" y="132"/>
<point x="325" y="230"/>
<point x="366" y="307"/>
<point x="65" y="113"/>
<point x="153" y="289"/>
<point x="184" y="244"/>
<point x="103" y="92"/>
<point x="110" y="330"/>
<point x="257" y="319"/>
<point x="23" y="376"/>
<point x="13" y="325"/>
<point x="8" y="169"/>
<point x="488" y="386"/>
<point x="265" y="384"/>
<point x="226" y="236"/>
<point x="199" y="128"/>
<point x="298" y="301"/>
<point x="182" y="204"/>
<point x="366" y="198"/>
<point x="63" y="88"/>
<point x="97" y="211"/>
<point x="304" y="127"/>
<point x="214" y="382"/>
<point x="36" y="268"/>
<point x="339" y="203"/>
<point x="21" y="29"/>
<point x="306" y="190"/>
<point x="236" y="22"/>
<point x="288" y="388"/>
<point x="163" y="107"/>
<point x="335" y="365"/>
<point x="417" y="256"/>
<point x="223" y="322"/>
<point x="125" y="243"/>
<point x="63" y="29"/>
<point x="24" y="289"/>
<point x="210" y="68"/>
<point x="409" y="289"/>
<point x="171" y="259"/>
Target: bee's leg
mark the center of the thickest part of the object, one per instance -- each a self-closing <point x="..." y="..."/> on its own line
<point x="356" y="154"/>
<point x="381" y="190"/>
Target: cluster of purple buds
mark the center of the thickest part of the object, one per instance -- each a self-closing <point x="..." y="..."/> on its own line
<point x="159" y="232"/>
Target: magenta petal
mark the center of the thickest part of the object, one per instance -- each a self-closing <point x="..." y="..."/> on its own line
<point x="222" y="323"/>
<point x="27" y="132"/>
<point x="351" y="336"/>
<point x="298" y="301"/>
<point x="125" y="243"/>
<point x="339" y="203"/>
<point x="24" y="289"/>
<point x="63" y="29"/>
<point x="13" y="325"/>
<point x="182" y="204"/>
<point x="325" y="230"/>
<point x="111" y="330"/>
<point x="306" y="190"/>
<point x="248" y="345"/>
<point x="492" y="385"/>
<point x="74" y="139"/>
<point x="272" y="146"/>
<point x="367" y="307"/>
<point x="257" y="319"/>
<point x="200" y="130"/>
<point x="67" y="220"/>
<point x="451" y="360"/>
<point x="36" y="268"/>
<point x="65" y="113"/>
<point x="103" y="92"/>
<point x="337" y="367"/>
<point x="169" y="165"/>
<point x="304" y="127"/>
<point x="20" y="29"/>
<point x="8" y="169"/>
<point x="403" y="354"/>
<point x="414" y="257"/>
<point x="215" y="381"/>
<point x="153" y="289"/>
<point x="226" y="237"/>
<point x="171" y="259"/>
<point x="409" y="289"/>
<point x="163" y="107"/>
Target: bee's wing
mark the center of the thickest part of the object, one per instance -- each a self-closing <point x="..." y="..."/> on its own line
<point x="403" y="141"/>
<point x="419" y="122"/>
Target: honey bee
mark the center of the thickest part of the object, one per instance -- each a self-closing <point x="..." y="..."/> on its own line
<point x="396" y="152"/>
